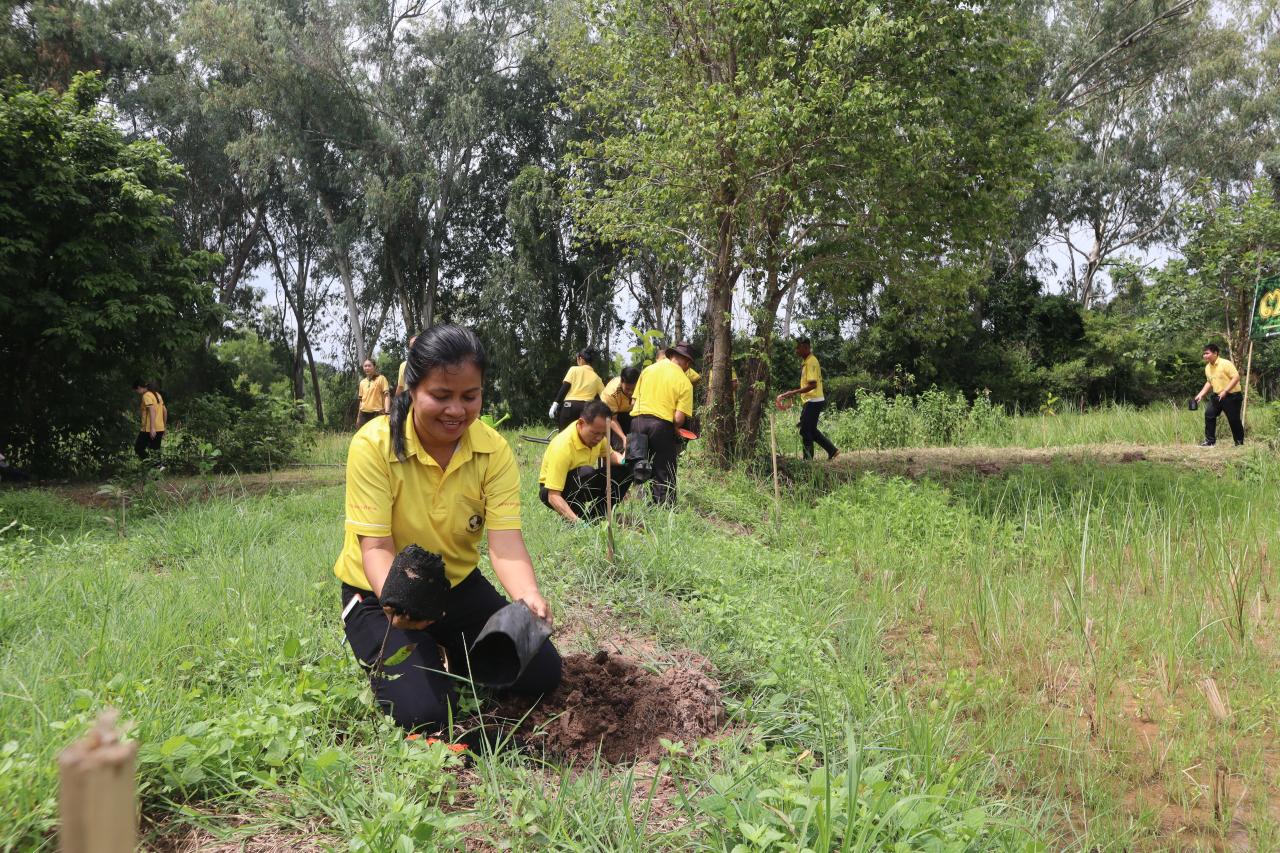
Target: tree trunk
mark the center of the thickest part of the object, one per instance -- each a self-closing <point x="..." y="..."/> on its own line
<point x="315" y="381"/>
<point x="719" y="305"/>
<point x="343" y="259"/>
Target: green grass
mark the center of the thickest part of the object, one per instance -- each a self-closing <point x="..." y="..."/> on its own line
<point x="1006" y="663"/>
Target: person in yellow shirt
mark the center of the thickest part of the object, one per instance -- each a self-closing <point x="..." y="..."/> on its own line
<point x="400" y="375"/>
<point x="619" y="396"/>
<point x="1222" y="387"/>
<point x="810" y="393"/>
<point x="664" y="401"/>
<point x="581" y="385"/>
<point x="571" y="480"/>
<point x="435" y="476"/>
<point x="153" y="416"/>
<point x="374" y="395"/>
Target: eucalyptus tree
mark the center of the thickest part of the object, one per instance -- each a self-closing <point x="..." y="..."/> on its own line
<point x="786" y="133"/>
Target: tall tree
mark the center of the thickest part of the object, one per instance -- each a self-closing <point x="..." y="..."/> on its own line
<point x="95" y="289"/>
<point x="776" y="131"/>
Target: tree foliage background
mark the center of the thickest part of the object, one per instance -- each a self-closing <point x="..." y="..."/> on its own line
<point x="1061" y="197"/>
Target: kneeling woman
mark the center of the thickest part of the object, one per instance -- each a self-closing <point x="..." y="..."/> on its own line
<point x="435" y="476"/>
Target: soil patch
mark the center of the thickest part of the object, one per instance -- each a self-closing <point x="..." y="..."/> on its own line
<point x="610" y="705"/>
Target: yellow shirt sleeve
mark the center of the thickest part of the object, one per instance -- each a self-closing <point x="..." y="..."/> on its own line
<point x="684" y="398"/>
<point x="555" y="466"/>
<point x="502" y="490"/>
<point x="569" y="375"/>
<point x="400" y="376"/>
<point x="368" y="502"/>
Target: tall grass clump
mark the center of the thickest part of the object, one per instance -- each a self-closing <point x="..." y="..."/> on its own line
<point x="934" y="418"/>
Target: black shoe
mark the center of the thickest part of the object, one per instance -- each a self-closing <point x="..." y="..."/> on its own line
<point x="1239" y="444"/>
<point x="1207" y="443"/>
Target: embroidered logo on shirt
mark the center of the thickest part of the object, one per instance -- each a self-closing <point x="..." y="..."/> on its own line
<point x="474" y="523"/>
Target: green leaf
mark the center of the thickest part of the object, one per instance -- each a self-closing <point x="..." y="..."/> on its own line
<point x="400" y="655"/>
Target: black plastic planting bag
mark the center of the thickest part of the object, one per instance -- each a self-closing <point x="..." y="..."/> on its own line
<point x="509" y="641"/>
<point x="416" y="586"/>
<point x="1193" y="404"/>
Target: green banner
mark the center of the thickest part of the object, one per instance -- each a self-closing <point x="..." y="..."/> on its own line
<point x="1266" y="309"/>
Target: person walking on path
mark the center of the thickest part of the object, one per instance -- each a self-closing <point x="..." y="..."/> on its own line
<point x="154" y="416"/>
<point x="1222" y="387"/>
<point x="374" y="396"/>
<point x="571" y="481"/>
<point x="810" y="392"/>
<point x="664" y="401"/>
<point x="619" y="396"/>
<point x="400" y="375"/>
<point x="581" y="385"/>
<point x="434" y="475"/>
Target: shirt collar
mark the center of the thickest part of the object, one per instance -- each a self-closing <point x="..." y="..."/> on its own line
<point x="477" y="439"/>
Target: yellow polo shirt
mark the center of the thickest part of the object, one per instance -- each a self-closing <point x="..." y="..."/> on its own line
<point x="584" y="383"/>
<point x="1221" y="374"/>
<point x="416" y="503"/>
<point x="371" y="393"/>
<point x="151" y="398"/>
<point x="400" y="377"/>
<point x="663" y="390"/>
<point x="566" y="452"/>
<point x="617" y="399"/>
<point x="693" y="375"/>
<point x="811" y="371"/>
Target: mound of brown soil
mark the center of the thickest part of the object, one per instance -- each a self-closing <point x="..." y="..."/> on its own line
<point x="610" y="704"/>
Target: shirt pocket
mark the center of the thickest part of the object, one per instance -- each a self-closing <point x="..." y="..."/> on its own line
<point x="469" y="519"/>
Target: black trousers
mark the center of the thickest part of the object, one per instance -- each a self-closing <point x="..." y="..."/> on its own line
<point x="146" y="444"/>
<point x="662" y="455"/>
<point x="809" y="432"/>
<point x="364" y="417"/>
<point x="584" y="491"/>
<point x="1229" y="406"/>
<point x="424" y="696"/>
<point x="570" y="411"/>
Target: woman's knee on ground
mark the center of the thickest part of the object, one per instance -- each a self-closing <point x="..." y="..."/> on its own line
<point x="417" y="710"/>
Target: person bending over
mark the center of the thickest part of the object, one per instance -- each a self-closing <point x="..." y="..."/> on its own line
<point x="1222" y="387"/>
<point x="433" y="475"/>
<point x="619" y="396"/>
<point x="571" y="481"/>
<point x="581" y="385"/>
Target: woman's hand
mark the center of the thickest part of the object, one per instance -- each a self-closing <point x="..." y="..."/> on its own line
<point x="404" y="623"/>
<point x="538" y="605"/>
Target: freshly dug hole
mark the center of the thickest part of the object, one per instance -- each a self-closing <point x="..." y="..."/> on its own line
<point x="611" y="704"/>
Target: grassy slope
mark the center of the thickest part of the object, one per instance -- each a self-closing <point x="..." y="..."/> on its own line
<point x="940" y="645"/>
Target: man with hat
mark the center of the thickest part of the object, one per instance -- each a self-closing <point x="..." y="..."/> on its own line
<point x="663" y="402"/>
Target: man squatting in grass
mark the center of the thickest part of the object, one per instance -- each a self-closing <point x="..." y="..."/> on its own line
<point x="435" y="476"/>
<point x="663" y="402"/>
<point x="374" y="396"/>
<point x="571" y="481"/>
<point x="154" y="415"/>
<point x="581" y="385"/>
<point x="1222" y="386"/>
<point x="810" y="392"/>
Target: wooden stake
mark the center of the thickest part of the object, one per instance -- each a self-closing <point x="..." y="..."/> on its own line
<point x="97" y="798"/>
<point x="1244" y="404"/>
<point x="608" y="502"/>
<point x="773" y="443"/>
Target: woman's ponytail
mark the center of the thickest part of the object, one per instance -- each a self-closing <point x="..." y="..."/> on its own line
<point x="399" y="413"/>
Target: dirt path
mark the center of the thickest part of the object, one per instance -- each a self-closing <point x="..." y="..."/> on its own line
<point x="188" y="489"/>
<point x="919" y="461"/>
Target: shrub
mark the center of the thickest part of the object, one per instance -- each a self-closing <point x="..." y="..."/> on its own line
<point x="218" y="435"/>
<point x="934" y="418"/>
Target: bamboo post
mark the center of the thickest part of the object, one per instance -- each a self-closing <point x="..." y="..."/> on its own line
<point x="97" y="799"/>
<point x="608" y="501"/>
<point x="773" y="444"/>
<point x="1244" y="404"/>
